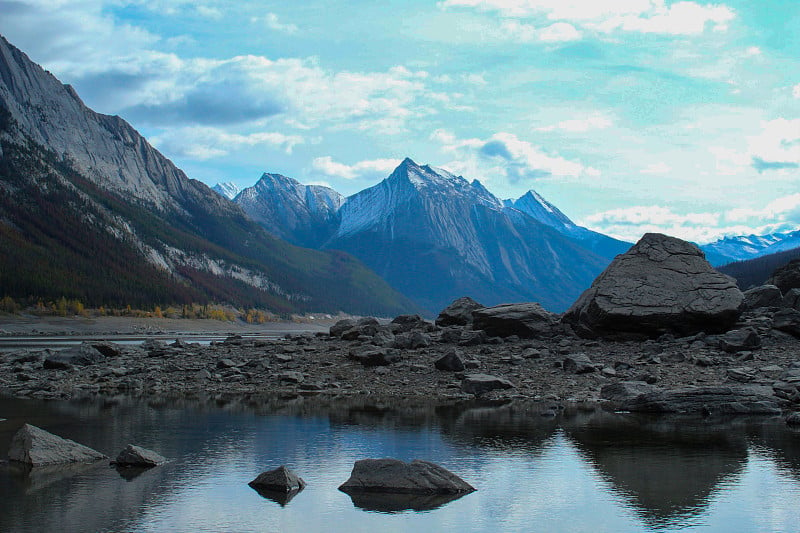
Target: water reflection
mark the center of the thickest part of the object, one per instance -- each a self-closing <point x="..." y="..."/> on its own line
<point x="562" y="469"/>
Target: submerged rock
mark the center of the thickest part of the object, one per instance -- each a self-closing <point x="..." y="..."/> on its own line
<point x="134" y="455"/>
<point x="661" y="285"/>
<point x="395" y="476"/>
<point x="282" y="479"/>
<point x="525" y="320"/>
<point x="36" y="447"/>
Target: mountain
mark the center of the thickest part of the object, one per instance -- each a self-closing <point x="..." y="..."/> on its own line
<point x="742" y="247"/>
<point x="227" y="189"/>
<point x="756" y="271"/>
<point x="90" y="210"/>
<point x="305" y="215"/>
<point x="436" y="237"/>
<point x="532" y="204"/>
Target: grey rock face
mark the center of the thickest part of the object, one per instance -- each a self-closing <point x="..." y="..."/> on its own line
<point x="763" y="296"/>
<point x="788" y="321"/>
<point x="791" y="299"/>
<point x="134" y="455"/>
<point x="458" y="313"/>
<point x="578" y="363"/>
<point x="787" y="277"/>
<point x="450" y="362"/>
<point x="717" y="400"/>
<point x="37" y="447"/>
<point x="394" y="476"/>
<point x="525" y="320"/>
<point x="404" y="323"/>
<point x="341" y="326"/>
<point x="375" y="356"/>
<point x="661" y="285"/>
<point x="738" y="340"/>
<point x="282" y="479"/>
<point x="82" y="355"/>
<point x="625" y="391"/>
<point x="478" y="384"/>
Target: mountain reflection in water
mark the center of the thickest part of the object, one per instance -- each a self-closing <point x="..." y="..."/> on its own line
<point x="536" y="466"/>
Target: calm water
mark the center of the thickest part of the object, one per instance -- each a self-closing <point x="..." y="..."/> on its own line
<point x="577" y="471"/>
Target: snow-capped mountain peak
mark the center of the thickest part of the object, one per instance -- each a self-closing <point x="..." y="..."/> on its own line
<point x="534" y="205"/>
<point x="227" y="189"/>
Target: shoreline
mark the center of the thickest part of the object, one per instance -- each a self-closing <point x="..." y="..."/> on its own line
<point x="400" y="361"/>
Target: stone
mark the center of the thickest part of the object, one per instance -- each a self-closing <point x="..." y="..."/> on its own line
<point x="786" y="277"/>
<point x="282" y="479"/>
<point x="136" y="456"/>
<point x="763" y="296"/>
<point x="395" y="476"/>
<point x="740" y="340"/>
<point x="375" y="356"/>
<point x="791" y="299"/>
<point x="82" y="355"/>
<point x="411" y="341"/>
<point x="36" y="447"/>
<point x="525" y="320"/>
<point x="473" y="338"/>
<point x="793" y="419"/>
<point x="661" y="285"/>
<point x="107" y="349"/>
<point x="405" y="323"/>
<point x="712" y="399"/>
<point x="341" y="326"/>
<point x="478" y="384"/>
<point x="450" y="362"/>
<point x="787" y="321"/>
<point x="742" y="374"/>
<point x="458" y="313"/>
<point x="578" y="363"/>
<point x="625" y="391"/>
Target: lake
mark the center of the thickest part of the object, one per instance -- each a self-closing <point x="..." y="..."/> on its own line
<point x="536" y="468"/>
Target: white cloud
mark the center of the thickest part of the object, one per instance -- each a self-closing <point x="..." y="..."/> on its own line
<point x="595" y="121"/>
<point x="646" y="16"/>
<point x="559" y="32"/>
<point x="778" y="142"/>
<point x="526" y="33"/>
<point x="271" y="21"/>
<point x="796" y="91"/>
<point x="206" y="143"/>
<point x="209" y="12"/>
<point x="631" y="223"/>
<point x="659" y="168"/>
<point x="505" y="159"/>
<point x="333" y="168"/>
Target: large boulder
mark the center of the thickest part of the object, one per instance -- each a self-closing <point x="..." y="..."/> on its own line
<point x="281" y="479"/>
<point x="36" y="447"/>
<point x="763" y="296"/>
<point x="83" y="355"/>
<point x="727" y="400"/>
<point x="786" y="277"/>
<point x="458" y="313"/>
<point x="395" y="476"/>
<point x="524" y="319"/>
<point x="478" y="384"/>
<point x="661" y="285"/>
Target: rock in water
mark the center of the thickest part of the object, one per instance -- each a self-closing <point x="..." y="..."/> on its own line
<point x="281" y="479"/>
<point x="661" y="285"/>
<point x="525" y="319"/>
<point x="458" y="313"/>
<point x="134" y="455"/>
<point x="36" y="447"/>
<point x="394" y="476"/>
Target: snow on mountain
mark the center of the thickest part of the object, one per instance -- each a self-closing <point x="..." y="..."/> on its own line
<point x="227" y="189"/>
<point x="743" y="247"/>
<point x="534" y="205"/>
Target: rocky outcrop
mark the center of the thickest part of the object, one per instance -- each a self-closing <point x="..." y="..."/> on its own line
<point x="36" y="447"/>
<point x="458" y="313"/>
<point x="82" y="355"/>
<point x="526" y="320"/>
<point x="709" y="400"/>
<point x="136" y="456"/>
<point x="787" y="277"/>
<point x="661" y="285"/>
<point x="395" y="476"/>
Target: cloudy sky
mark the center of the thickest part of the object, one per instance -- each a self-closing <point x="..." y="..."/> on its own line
<point x="629" y="115"/>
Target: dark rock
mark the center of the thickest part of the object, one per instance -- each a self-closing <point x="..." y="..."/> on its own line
<point x="578" y="363"/>
<point x="225" y="363"/>
<point x="383" y="337"/>
<point x="37" y="447"/>
<point x="661" y="285"/>
<point x="787" y="277"/>
<point x="788" y="321"/>
<point x="625" y="391"/>
<point x="793" y="419"/>
<point x="473" y="338"/>
<point x="451" y="335"/>
<point x="451" y="362"/>
<point x="743" y="374"/>
<point x="375" y="356"/>
<point x="383" y="502"/>
<point x="458" y="313"/>
<point x="478" y="384"/>
<point x="281" y="479"/>
<point x="739" y="340"/>
<point x="157" y="348"/>
<point x="136" y="456"/>
<point x="405" y="323"/>
<point x="412" y="340"/>
<point x="82" y="355"/>
<point x="107" y="349"/>
<point x="525" y="320"/>
<point x="342" y="326"/>
<point x="763" y="296"/>
<point x="713" y="399"/>
<point x="394" y="476"/>
<point x="791" y="299"/>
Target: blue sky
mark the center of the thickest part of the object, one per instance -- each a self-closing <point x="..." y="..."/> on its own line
<point x="629" y="115"/>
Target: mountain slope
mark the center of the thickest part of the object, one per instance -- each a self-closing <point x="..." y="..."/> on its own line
<point x="305" y="215"/>
<point x="227" y="189"/>
<point x="743" y="247"/>
<point x="436" y="237"/>
<point x="91" y="210"/>
<point x="756" y="271"/>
